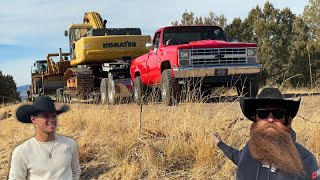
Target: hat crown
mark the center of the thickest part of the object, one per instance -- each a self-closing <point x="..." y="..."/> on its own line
<point x="44" y="103"/>
<point x="270" y="93"/>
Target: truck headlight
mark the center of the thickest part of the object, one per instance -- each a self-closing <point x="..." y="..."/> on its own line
<point x="251" y="51"/>
<point x="183" y="54"/>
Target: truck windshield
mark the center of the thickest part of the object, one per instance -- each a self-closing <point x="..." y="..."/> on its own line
<point x="185" y="34"/>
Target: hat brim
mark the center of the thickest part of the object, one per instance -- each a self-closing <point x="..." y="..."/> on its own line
<point x="25" y="111"/>
<point x="249" y="106"/>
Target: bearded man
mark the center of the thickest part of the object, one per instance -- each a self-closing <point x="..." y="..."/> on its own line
<point x="271" y="152"/>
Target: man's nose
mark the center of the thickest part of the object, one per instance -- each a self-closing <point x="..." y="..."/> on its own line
<point x="270" y="118"/>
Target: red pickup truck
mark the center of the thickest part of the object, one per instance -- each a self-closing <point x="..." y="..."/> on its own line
<point x="180" y="53"/>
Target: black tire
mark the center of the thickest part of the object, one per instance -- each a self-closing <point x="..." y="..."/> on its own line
<point x="103" y="91"/>
<point x="169" y="88"/>
<point x="111" y="91"/>
<point x="138" y="90"/>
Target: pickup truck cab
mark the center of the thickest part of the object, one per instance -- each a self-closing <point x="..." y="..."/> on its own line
<point x="180" y="53"/>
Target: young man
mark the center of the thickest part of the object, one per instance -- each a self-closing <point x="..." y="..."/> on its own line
<point x="46" y="155"/>
<point x="271" y="152"/>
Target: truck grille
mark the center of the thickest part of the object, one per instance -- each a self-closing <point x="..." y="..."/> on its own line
<point x="218" y="56"/>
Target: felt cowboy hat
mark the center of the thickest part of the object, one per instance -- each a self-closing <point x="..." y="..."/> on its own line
<point x="268" y="96"/>
<point x="43" y="103"/>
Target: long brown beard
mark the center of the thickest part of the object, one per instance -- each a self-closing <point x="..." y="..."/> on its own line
<point x="277" y="149"/>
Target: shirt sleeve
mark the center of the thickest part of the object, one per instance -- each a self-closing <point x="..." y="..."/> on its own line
<point x="311" y="167"/>
<point x="231" y="153"/>
<point x="18" y="168"/>
<point x="75" y="165"/>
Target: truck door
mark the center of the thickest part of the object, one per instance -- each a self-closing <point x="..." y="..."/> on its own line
<point x="153" y="61"/>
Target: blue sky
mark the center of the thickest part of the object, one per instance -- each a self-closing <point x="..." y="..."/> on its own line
<point x="30" y="29"/>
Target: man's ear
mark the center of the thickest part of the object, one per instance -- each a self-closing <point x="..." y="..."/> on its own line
<point x="33" y="119"/>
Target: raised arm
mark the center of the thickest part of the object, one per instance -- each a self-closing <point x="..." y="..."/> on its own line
<point x="231" y="153"/>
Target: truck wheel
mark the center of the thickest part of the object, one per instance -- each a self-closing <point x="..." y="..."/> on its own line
<point x="103" y="91"/>
<point x="138" y="90"/>
<point x="111" y="91"/>
<point x="169" y="88"/>
<point x="250" y="88"/>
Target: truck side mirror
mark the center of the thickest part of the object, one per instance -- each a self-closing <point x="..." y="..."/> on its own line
<point x="66" y="33"/>
<point x="149" y="45"/>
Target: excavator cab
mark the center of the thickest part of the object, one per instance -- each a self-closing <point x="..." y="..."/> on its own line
<point x="76" y="32"/>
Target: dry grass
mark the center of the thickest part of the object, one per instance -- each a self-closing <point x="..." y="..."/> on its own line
<point x="174" y="142"/>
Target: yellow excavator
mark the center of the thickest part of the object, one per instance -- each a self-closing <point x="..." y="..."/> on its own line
<point x="100" y="59"/>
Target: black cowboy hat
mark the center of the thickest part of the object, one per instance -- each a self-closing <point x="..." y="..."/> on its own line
<point x="43" y="103"/>
<point x="269" y="96"/>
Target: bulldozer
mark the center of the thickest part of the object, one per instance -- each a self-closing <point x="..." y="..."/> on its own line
<point x="47" y="76"/>
<point x="100" y="60"/>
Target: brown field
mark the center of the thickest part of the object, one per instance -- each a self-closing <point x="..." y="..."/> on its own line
<point x="170" y="143"/>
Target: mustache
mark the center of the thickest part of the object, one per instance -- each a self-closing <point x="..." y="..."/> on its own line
<point x="260" y="129"/>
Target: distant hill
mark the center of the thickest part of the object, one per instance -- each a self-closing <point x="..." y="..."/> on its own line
<point x="23" y="91"/>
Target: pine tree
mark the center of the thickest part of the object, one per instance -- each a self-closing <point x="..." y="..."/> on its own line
<point x="8" y="89"/>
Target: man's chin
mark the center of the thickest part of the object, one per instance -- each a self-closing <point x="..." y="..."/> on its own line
<point x="270" y="131"/>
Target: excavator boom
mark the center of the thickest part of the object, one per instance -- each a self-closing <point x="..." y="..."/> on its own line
<point x="94" y="19"/>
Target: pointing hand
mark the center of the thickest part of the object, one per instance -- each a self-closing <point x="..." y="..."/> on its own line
<point x="216" y="137"/>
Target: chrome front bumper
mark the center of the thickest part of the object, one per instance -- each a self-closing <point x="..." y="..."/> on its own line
<point x="187" y="72"/>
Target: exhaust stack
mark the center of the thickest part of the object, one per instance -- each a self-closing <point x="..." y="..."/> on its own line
<point x="60" y="55"/>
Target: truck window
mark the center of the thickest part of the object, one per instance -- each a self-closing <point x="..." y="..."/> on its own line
<point x="185" y="34"/>
<point x="156" y="40"/>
